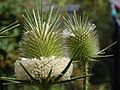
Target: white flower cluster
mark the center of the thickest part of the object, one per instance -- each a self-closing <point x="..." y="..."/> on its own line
<point x="40" y="69"/>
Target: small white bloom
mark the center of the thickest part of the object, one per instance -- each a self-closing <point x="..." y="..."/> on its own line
<point x="66" y="33"/>
<point x="40" y="69"/>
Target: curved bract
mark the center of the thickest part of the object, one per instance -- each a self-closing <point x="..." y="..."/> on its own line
<point x="8" y="28"/>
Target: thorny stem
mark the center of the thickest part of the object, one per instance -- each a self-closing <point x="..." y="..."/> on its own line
<point x="85" y="80"/>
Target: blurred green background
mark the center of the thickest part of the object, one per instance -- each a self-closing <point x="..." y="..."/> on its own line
<point x="98" y="12"/>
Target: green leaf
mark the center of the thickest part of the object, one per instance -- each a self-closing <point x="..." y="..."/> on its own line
<point x="73" y="79"/>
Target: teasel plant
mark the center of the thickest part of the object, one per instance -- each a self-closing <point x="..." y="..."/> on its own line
<point x="41" y="62"/>
<point x="82" y="36"/>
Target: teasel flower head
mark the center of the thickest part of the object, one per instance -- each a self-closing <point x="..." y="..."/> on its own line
<point x="41" y="58"/>
<point x="42" y="36"/>
<point x="82" y="39"/>
<point x="82" y="36"/>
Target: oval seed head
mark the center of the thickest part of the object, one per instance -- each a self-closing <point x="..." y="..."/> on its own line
<point x="82" y="38"/>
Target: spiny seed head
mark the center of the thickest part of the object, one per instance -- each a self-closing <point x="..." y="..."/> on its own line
<point x="40" y="49"/>
<point x="82" y="37"/>
<point x="40" y="69"/>
<point x="42" y="37"/>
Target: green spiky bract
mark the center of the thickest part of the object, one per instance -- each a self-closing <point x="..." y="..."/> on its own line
<point x="82" y="36"/>
<point x="42" y="37"/>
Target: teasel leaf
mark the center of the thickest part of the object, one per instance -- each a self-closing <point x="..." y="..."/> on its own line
<point x="68" y="65"/>
<point x="16" y="81"/>
<point x="7" y="28"/>
<point x="42" y="36"/>
<point x="64" y="71"/>
<point x="103" y="56"/>
<point x="83" y="35"/>
<point x="73" y="79"/>
<point x="101" y="51"/>
<point x="48" y="77"/>
<point x="26" y="71"/>
<point x="27" y="82"/>
<point x="10" y="83"/>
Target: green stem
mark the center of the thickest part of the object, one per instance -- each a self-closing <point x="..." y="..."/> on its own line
<point x="85" y="80"/>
